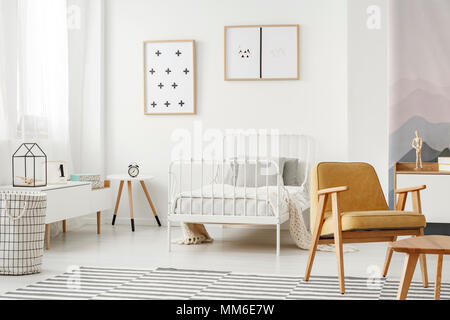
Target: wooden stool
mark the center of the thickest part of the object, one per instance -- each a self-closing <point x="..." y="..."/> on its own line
<point x="141" y="178"/>
<point x="413" y="247"/>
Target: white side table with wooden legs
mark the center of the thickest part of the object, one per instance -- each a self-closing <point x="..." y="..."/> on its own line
<point x="141" y="178"/>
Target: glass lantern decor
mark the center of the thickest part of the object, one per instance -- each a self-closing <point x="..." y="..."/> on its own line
<point x="29" y="166"/>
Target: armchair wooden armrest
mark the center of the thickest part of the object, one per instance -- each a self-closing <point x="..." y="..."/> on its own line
<point x="411" y="189"/>
<point x="323" y="199"/>
<point x="332" y="190"/>
<point x="402" y="195"/>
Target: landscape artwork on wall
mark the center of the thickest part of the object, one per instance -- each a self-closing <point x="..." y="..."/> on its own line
<point x="262" y="52"/>
<point x="420" y="81"/>
<point x="169" y="77"/>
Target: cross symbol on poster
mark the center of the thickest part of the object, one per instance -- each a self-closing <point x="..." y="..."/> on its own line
<point x="153" y="104"/>
<point x="160" y="85"/>
<point x="178" y="53"/>
<point x="152" y="71"/>
<point x="158" y="53"/>
<point x="174" y="85"/>
<point x="186" y="71"/>
<point x="181" y="103"/>
<point x="167" y="104"/>
<point x="168" y="71"/>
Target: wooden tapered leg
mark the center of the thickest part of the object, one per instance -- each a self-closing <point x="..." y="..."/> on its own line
<point x="99" y="221"/>
<point x="417" y="207"/>
<point x="387" y="261"/>
<point x="423" y="266"/>
<point x="408" y="271"/>
<point x="64" y="226"/>
<point x="315" y="237"/>
<point x="130" y="201"/>
<point x="437" y="288"/>
<point x="338" y="242"/>
<point x="150" y="202"/>
<point x="116" y="209"/>
<point x="47" y="236"/>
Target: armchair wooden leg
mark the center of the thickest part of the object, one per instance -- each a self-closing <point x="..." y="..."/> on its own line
<point x="312" y="251"/>
<point x="423" y="266"/>
<point x="315" y="236"/>
<point x="338" y="243"/>
<point x="340" y="260"/>
<point x="387" y="261"/>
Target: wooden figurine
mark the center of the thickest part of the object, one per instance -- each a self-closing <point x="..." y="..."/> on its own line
<point x="28" y="181"/>
<point x="417" y="144"/>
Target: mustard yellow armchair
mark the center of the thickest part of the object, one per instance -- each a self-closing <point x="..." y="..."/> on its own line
<point x="348" y="206"/>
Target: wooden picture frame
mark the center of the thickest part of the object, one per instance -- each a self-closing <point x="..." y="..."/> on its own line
<point x="188" y="98"/>
<point x="262" y="31"/>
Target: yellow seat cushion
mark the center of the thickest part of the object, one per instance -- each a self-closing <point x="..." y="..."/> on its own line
<point x="375" y="220"/>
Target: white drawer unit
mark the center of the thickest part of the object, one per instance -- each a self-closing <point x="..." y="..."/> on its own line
<point x="67" y="202"/>
<point x="72" y="200"/>
<point x="435" y="198"/>
<point x="101" y="199"/>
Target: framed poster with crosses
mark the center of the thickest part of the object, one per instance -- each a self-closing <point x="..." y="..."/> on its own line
<point x="169" y="77"/>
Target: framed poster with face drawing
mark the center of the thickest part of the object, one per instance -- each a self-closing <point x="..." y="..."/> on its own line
<point x="169" y="77"/>
<point x="262" y="52"/>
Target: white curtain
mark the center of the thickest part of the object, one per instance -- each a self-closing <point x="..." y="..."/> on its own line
<point x="34" y="79"/>
<point x="43" y="107"/>
<point x="51" y="85"/>
<point x="3" y="119"/>
<point x="51" y="66"/>
<point x="8" y="78"/>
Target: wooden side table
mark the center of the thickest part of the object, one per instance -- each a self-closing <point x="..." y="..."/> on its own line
<point x="413" y="247"/>
<point x="141" y="178"/>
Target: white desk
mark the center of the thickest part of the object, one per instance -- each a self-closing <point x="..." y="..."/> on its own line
<point x="141" y="178"/>
<point x="71" y="200"/>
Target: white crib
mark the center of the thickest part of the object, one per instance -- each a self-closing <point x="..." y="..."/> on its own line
<point x="245" y="173"/>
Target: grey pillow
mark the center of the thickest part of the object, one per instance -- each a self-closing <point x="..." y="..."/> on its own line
<point x="230" y="174"/>
<point x="290" y="172"/>
<point x="249" y="177"/>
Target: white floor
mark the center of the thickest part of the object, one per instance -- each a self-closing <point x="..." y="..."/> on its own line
<point x="239" y="250"/>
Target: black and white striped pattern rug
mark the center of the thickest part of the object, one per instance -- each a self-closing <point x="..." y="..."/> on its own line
<point x="167" y="283"/>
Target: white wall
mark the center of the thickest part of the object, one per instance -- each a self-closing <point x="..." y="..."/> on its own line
<point x="315" y="105"/>
<point x="368" y="139"/>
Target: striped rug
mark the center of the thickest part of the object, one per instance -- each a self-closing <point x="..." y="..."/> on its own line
<point x="89" y="283"/>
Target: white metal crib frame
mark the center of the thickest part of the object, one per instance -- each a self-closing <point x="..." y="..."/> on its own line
<point x="210" y="217"/>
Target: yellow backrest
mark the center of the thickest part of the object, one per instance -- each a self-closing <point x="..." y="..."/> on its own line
<point x="364" y="194"/>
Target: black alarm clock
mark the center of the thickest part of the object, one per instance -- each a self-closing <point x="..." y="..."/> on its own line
<point x="133" y="170"/>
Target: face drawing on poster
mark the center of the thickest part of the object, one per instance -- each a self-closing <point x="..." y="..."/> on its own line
<point x="244" y="53"/>
<point x="265" y="52"/>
